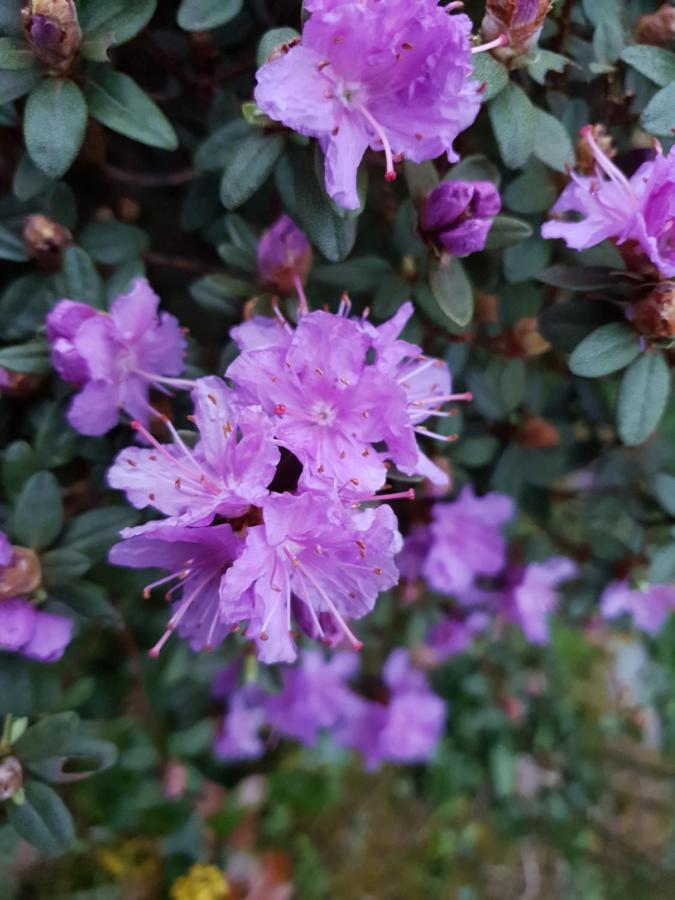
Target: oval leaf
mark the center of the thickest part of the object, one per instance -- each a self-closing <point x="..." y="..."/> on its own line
<point x="452" y="290"/>
<point x="200" y="15"/>
<point x="642" y="398"/>
<point x="54" y="124"/>
<point x="38" y="516"/>
<point x="247" y="165"/>
<point x="607" y="349"/>
<point x="514" y="123"/>
<point x="42" y="819"/>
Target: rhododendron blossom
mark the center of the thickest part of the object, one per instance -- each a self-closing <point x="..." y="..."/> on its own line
<point x="393" y="75"/>
<point x="115" y="359"/>
<point x="532" y="595"/>
<point x="640" y="208"/>
<point x="648" y="606"/>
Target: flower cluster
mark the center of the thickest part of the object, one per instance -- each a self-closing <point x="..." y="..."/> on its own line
<point x="392" y="75"/>
<point x="115" y="358"/>
<point x="462" y="546"/>
<point x="640" y="209"/>
<point x="403" y="722"/>
<point x="288" y="457"/>
<point x="25" y="629"/>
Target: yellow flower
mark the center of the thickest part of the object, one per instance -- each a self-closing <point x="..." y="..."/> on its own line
<point x="201" y="883"/>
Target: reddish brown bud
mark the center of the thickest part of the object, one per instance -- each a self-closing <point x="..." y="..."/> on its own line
<point x="586" y="162"/>
<point x="520" y="20"/>
<point x="45" y="241"/>
<point x="657" y="28"/>
<point x="17" y="384"/>
<point x="11" y="777"/>
<point x="655" y="314"/>
<point x="536" y="433"/>
<point x="527" y="338"/>
<point x="53" y="31"/>
<point x="22" y="575"/>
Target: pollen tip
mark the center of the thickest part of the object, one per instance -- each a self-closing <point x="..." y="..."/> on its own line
<point x="153" y="653"/>
<point x="390" y="176"/>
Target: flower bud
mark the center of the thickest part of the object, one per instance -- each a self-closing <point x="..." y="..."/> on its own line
<point x="537" y="434"/>
<point x="520" y="20"/>
<point x="657" y="28"/>
<point x="586" y="162"/>
<point x="53" y="32"/>
<point x="18" y="384"/>
<point x="655" y="314"/>
<point x="284" y="256"/>
<point x="456" y="216"/>
<point x="11" y="777"/>
<point x="22" y="575"/>
<point x="46" y="240"/>
<point x="63" y="323"/>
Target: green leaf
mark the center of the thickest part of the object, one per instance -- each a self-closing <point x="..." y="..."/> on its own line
<point x="120" y="104"/>
<point x="452" y="289"/>
<point x="474" y="167"/>
<point x="201" y="15"/>
<point x="18" y="464"/>
<point x="581" y="278"/>
<point x="659" y="114"/>
<point x="533" y="191"/>
<point x="42" y="819"/>
<point x="664" y="489"/>
<point x="113" y="243"/>
<point x="81" y="280"/>
<point x="421" y="178"/>
<point x="23" y="306"/>
<point x="17" y="83"/>
<point x="271" y="40"/>
<point x="38" y="514"/>
<point x="29" y="180"/>
<point x="212" y="152"/>
<point x="662" y="566"/>
<point x="54" y="124"/>
<point x="15" y="54"/>
<point x="362" y="273"/>
<point x="47" y="737"/>
<point x="332" y="234"/>
<point x="80" y="758"/>
<point x="513" y="119"/>
<point x="526" y="259"/>
<point x="564" y="325"/>
<point x="544" y="62"/>
<point x="608" y="41"/>
<point x="607" y="349"/>
<point x="247" y="165"/>
<point x="11" y="245"/>
<point x="643" y="396"/>
<point x="491" y="73"/>
<point x="63" y="565"/>
<point x="552" y="144"/>
<point x="215" y="294"/>
<point x="93" y="533"/>
<point x="31" y="358"/>
<point x="507" y="231"/>
<point x="654" y="63"/>
<point x="107" y="23"/>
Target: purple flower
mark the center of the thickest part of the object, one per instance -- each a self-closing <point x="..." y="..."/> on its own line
<point x="333" y="560"/>
<point x="115" y="358"/>
<point x="533" y="596"/>
<point x="228" y="470"/>
<point x="467" y="540"/>
<point x="393" y="75"/>
<point x="456" y="216"/>
<point x="416" y="546"/>
<point x="640" y="209"/>
<point x="407" y="728"/>
<point x="31" y="632"/>
<point x="284" y="257"/>
<point x="196" y="560"/>
<point x="239" y="734"/>
<point x="452" y="636"/>
<point x="314" y="696"/>
<point x="649" y="606"/>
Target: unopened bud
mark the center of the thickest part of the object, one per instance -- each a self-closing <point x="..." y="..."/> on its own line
<point x="456" y="216"/>
<point x="655" y="314"/>
<point x="536" y="433"/>
<point x="11" y="777"/>
<point x="22" y="575"/>
<point x="53" y="31"/>
<point x="46" y="240"/>
<point x="284" y="256"/>
<point x="18" y="384"/>
<point x="520" y="20"/>
<point x="586" y="162"/>
<point x="657" y="28"/>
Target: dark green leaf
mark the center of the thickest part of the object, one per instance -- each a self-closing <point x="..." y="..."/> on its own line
<point x="80" y="278"/>
<point x="93" y="533"/>
<point x="552" y="144"/>
<point x="23" y="307"/>
<point x="113" y="243"/>
<point x="664" y="488"/>
<point x="331" y="233"/>
<point x="42" y="819"/>
<point x="581" y="278"/>
<point x="28" y="359"/>
<point x="654" y="63"/>
<point x="19" y="463"/>
<point x="507" y="231"/>
<point x="526" y="259"/>
<point x="659" y="115"/>
<point x="490" y="72"/>
<point x="47" y="737"/>
<point x="120" y="104"/>
<point x="38" y="515"/>
<point x="363" y="273"/>
<point x="63" y="565"/>
<point x="217" y="294"/>
<point x="11" y="245"/>
<point x="531" y="192"/>
<point x="514" y="123"/>
<point x="607" y="349"/>
<point x="107" y="23"/>
<point x="544" y="62"/>
<point x="643" y="396"/>
<point x="452" y="289"/>
<point x="80" y="758"/>
<point x="422" y="178"/>
<point x="15" y="84"/>
<point x="247" y="165"/>
<point x="475" y="167"/>
<point x="564" y="325"/>
<point x="271" y="40"/>
<point x="201" y="15"/>
<point x="29" y="180"/>
<point x="15" y="54"/>
<point x="662" y="566"/>
<point x="54" y="124"/>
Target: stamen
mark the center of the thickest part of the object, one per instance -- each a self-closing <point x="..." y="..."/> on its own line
<point x="445" y="398"/>
<point x="351" y="637"/>
<point x="456" y="4"/>
<point x="403" y="495"/>
<point x="390" y="174"/>
<point x="303" y="308"/>
<point x="448" y="439"/>
<point x="183" y="573"/>
<point x="501" y="41"/>
<point x="613" y="172"/>
<point x="345" y="307"/>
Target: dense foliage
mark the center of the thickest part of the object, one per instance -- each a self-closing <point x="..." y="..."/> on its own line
<point x="400" y="434"/>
